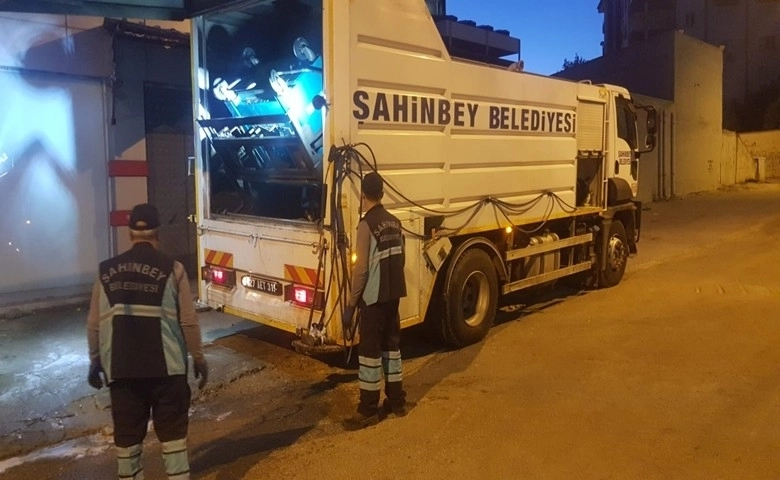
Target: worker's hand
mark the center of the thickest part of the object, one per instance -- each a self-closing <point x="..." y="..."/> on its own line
<point x="201" y="371"/>
<point x="347" y="321"/>
<point x="96" y="375"/>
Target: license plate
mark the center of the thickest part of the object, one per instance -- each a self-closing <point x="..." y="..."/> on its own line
<point x="264" y="285"/>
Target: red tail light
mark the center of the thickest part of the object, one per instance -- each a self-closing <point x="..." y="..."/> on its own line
<point x="301" y="295"/>
<point x="304" y="296"/>
<point x="219" y="276"/>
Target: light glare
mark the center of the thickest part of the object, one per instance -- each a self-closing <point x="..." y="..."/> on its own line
<point x="300" y="295"/>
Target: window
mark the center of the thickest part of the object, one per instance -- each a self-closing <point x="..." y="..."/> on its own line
<point x="626" y="122"/>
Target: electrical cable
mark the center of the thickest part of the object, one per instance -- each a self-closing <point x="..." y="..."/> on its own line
<point x="320" y="261"/>
<point x="339" y="260"/>
<point x="347" y="162"/>
<point x="506" y="208"/>
<point x="564" y="206"/>
<point x="401" y="195"/>
<point x="547" y="213"/>
<point x="455" y="231"/>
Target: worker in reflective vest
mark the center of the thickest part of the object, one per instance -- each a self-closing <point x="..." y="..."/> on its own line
<point x="378" y="284"/>
<point x="141" y="325"/>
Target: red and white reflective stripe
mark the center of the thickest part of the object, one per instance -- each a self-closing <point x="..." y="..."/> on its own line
<point x="303" y="275"/>
<point x="219" y="259"/>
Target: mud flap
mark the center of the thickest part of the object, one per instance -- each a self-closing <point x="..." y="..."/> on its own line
<point x="632" y="223"/>
<point x="637" y="220"/>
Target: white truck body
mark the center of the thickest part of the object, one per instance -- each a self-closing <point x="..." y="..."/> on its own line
<point x="473" y="155"/>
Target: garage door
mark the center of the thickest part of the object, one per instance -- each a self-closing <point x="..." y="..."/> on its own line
<point x="53" y="188"/>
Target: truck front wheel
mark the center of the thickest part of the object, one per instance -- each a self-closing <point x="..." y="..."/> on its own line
<point x="471" y="299"/>
<point x="617" y="256"/>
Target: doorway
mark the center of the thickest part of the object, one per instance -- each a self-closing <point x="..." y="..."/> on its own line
<point x="169" y="144"/>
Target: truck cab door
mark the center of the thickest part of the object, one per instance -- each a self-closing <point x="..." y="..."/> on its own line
<point x="626" y="158"/>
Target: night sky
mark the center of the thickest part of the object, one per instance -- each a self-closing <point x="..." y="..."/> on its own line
<point x="549" y="30"/>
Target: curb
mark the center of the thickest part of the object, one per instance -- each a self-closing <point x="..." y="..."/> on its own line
<point x="48" y="305"/>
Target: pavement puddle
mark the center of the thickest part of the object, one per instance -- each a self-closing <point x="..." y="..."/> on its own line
<point x="75" y="449"/>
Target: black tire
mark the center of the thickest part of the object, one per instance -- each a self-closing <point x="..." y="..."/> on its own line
<point x="617" y="256"/>
<point x="470" y="306"/>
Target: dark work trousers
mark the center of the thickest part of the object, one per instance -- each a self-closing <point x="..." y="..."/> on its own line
<point x="132" y="401"/>
<point x="167" y="399"/>
<point x="379" y="353"/>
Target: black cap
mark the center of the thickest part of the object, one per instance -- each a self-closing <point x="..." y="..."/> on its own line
<point x="372" y="185"/>
<point x="144" y="217"/>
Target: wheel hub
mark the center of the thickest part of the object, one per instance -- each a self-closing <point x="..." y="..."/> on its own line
<point x="616" y="253"/>
<point x="475" y="298"/>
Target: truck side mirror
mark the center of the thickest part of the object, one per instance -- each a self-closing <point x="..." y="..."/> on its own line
<point x="650" y="143"/>
<point x="652" y="120"/>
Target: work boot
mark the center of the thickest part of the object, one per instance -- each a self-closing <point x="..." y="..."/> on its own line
<point x="399" y="410"/>
<point x="360" y="421"/>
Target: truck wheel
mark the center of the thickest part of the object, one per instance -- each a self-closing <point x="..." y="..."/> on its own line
<point x="617" y="256"/>
<point x="470" y="305"/>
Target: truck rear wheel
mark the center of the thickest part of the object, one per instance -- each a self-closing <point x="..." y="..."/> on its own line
<point x="617" y="256"/>
<point x="471" y="299"/>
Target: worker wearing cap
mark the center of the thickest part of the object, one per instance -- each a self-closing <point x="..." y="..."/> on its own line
<point x="141" y="325"/>
<point x="378" y="284"/>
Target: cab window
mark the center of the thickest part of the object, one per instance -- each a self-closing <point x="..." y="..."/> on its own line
<point x="626" y="122"/>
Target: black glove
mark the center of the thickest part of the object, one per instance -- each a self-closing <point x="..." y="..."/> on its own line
<point x="347" y="321"/>
<point x="96" y="374"/>
<point x="201" y="371"/>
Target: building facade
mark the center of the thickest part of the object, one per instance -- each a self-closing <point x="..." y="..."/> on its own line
<point x="680" y="76"/>
<point x="749" y="31"/>
<point x="96" y="118"/>
<point x="615" y="27"/>
<point x="437" y="7"/>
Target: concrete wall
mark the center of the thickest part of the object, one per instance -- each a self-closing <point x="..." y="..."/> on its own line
<point x="698" y="124"/>
<point x="689" y="72"/>
<point x="55" y="43"/>
<point x="737" y="162"/>
<point x="60" y="94"/>
<point x="54" y="224"/>
<point x="764" y="144"/>
<point x="743" y="27"/>
<point x="746" y="163"/>
<point x="654" y="167"/>
<point x="646" y="69"/>
<point x="728" y="158"/>
<point x="80" y="47"/>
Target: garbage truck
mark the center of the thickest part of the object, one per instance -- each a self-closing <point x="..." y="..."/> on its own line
<point x="503" y="180"/>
